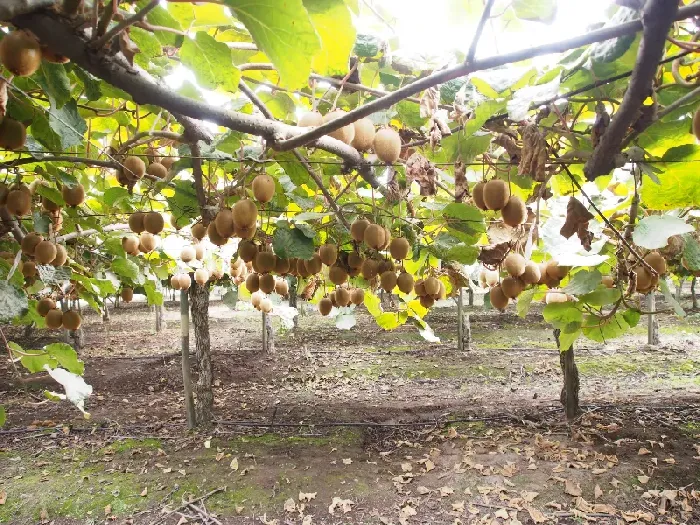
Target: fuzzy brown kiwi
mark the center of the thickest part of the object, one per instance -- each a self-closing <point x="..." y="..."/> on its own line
<point x="346" y="133"/>
<point x="608" y="281"/>
<point x="127" y="294"/>
<point x="515" y="264"/>
<point x="325" y="306"/>
<point x="245" y="213"/>
<point x="405" y="282"/>
<point x="399" y="248"/>
<point x="175" y="282"/>
<point x="199" y="252"/>
<point x="478" y="195"/>
<point x="281" y="287"/>
<point x="514" y="212"/>
<point x="156" y="169"/>
<point x="357" y="229"/>
<point x="136" y="224"/>
<point x="256" y="298"/>
<point x="154" y="222"/>
<point x="388" y="281"/>
<point x="342" y="296"/>
<point x="223" y="221"/>
<point x="71" y="320"/>
<point x="185" y="281"/>
<point x="13" y="134"/>
<point x="555" y="271"/>
<point x="49" y="205"/>
<point x="19" y="202"/>
<point x="263" y="188"/>
<point x="354" y="272"/>
<point x="531" y="275"/>
<point x="496" y="194"/>
<point x="30" y="242"/>
<point x="301" y="268"/>
<point x="266" y="306"/>
<point x="498" y="299"/>
<point x="214" y="236"/>
<point x="370" y="268"/>
<point x="45" y="305"/>
<point x="20" y="53"/>
<point x="555" y="296"/>
<point x="644" y="278"/>
<point x="432" y="286"/>
<point x="252" y="282"/>
<point x="512" y="287"/>
<point x="187" y="254"/>
<point x="73" y="195"/>
<point x="133" y="168"/>
<point x="4" y="191"/>
<point x="387" y="145"/>
<point x="147" y="241"/>
<point x="130" y="245"/>
<point x="45" y="252"/>
<point x="357" y="296"/>
<point x="331" y="296"/>
<point x="310" y="119"/>
<point x="355" y="260"/>
<point x="328" y="254"/>
<point x="314" y="265"/>
<point x="54" y="319"/>
<point x="201" y="276"/>
<point x="247" y="251"/>
<point x="265" y="262"/>
<point x="199" y="231"/>
<point x="374" y="236"/>
<point x="386" y="265"/>
<point x="282" y="266"/>
<point x="364" y="134"/>
<point x="337" y="275"/>
<point x="657" y="262"/>
<point x="427" y="301"/>
<point x="419" y="287"/>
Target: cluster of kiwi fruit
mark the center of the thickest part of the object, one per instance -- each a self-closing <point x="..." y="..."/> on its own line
<point x="134" y="168"/>
<point x="646" y="281"/>
<point x="55" y="318"/>
<point x="18" y="199"/>
<point x="521" y="274"/>
<point x="361" y="134"/>
<point x="341" y="296"/>
<point x="260" y="302"/>
<point x="495" y="195"/>
<point x="146" y="225"/>
<point x="429" y="290"/>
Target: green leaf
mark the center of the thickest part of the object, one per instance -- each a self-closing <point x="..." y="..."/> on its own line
<point x="282" y="29"/>
<point x="367" y="46"/>
<point x="230" y="299"/>
<point x="126" y="269"/>
<point x="583" y="282"/>
<point x="3" y="416"/>
<point x="55" y="82"/>
<point x="601" y="296"/>
<point x="291" y="243"/>
<point x="463" y="253"/>
<point x="691" y="253"/>
<point x="161" y="17"/>
<point x="537" y="10"/>
<point x="632" y="317"/>
<point x="66" y="357"/>
<point x="35" y="360"/>
<point x="114" y="195"/>
<point x="41" y="222"/>
<point x="670" y="299"/>
<point x="563" y="315"/>
<point x="13" y="302"/>
<point x="567" y="339"/>
<point x="153" y="295"/>
<point x="679" y="182"/>
<point x="335" y="29"/>
<point x="91" y="84"/>
<point x="51" y="193"/>
<point x="148" y="44"/>
<point x="68" y="125"/>
<point x="210" y="61"/>
<point x="372" y="303"/>
<point x="524" y="301"/>
<point x="653" y="232"/>
<point x="390" y="320"/>
<point x="603" y="329"/>
<point x="465" y="219"/>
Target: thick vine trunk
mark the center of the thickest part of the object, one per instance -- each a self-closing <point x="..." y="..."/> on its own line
<point x="692" y="293"/>
<point x="652" y="321"/>
<point x="159" y="317"/>
<point x="268" y="335"/>
<point x="293" y="283"/>
<point x="199" y="298"/>
<point x="464" y="330"/>
<point x="569" y="396"/>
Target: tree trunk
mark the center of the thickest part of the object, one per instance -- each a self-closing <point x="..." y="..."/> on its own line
<point x="679" y="290"/>
<point x="464" y="331"/>
<point x="570" y="391"/>
<point x="185" y="353"/>
<point x="268" y="335"/>
<point x="293" y="283"/>
<point x="692" y="293"/>
<point x="652" y="321"/>
<point x="159" y="317"/>
<point x="470" y="293"/>
<point x="199" y="296"/>
<point x="105" y="312"/>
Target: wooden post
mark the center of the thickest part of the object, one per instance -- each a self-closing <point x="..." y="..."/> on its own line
<point x="268" y="335"/>
<point x="293" y="283"/>
<point x="679" y="290"/>
<point x="692" y="293"/>
<point x="460" y="321"/>
<point x="467" y="332"/>
<point x="652" y="321"/>
<point x="185" y="339"/>
<point x="570" y="391"/>
<point x="470" y="293"/>
<point x="158" y="309"/>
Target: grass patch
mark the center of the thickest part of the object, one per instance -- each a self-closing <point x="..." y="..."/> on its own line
<point x="127" y="445"/>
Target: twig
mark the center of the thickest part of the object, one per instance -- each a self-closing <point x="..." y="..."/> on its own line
<point x="121" y="26"/>
<point x="185" y="505"/>
<point x="155" y="134"/>
<point x="10" y="356"/>
<point x="206" y="517"/>
<point x="479" y="29"/>
<point x="198" y="176"/>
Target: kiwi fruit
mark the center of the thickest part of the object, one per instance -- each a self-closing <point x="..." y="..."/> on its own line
<point x="419" y="288"/>
<point x="245" y="214"/>
<point x="201" y="276"/>
<point x="4" y="191"/>
<point x="45" y="252"/>
<point x="185" y="281"/>
<point x="136" y="222"/>
<point x="133" y="168"/>
<point x="499" y="300"/>
<point x="355" y="260"/>
<point x="49" y="205"/>
<point x="364" y="134"/>
<point x="130" y="245"/>
<point x="281" y="287"/>
<point x="73" y="195"/>
<point x="224" y="223"/>
<point x="357" y="229"/>
<point x="252" y="282"/>
<point x="432" y="286"/>
<point x="19" y="202"/>
<point x="386" y="265"/>
<point x="247" y="251"/>
<point x="388" y="281"/>
<point x="657" y="262"/>
<point x="188" y="254"/>
<point x="374" y="236"/>
<point x="346" y="133"/>
<point x="30" y="242"/>
<point x="45" y="305"/>
<point x="282" y="266"/>
<point x="54" y="318"/>
<point x="405" y="282"/>
<point x="427" y="301"/>
<point x="198" y="230"/>
<point x="531" y="275"/>
<point x="514" y="212"/>
<point x="301" y="268"/>
<point x="357" y="296"/>
<point x="175" y="282"/>
<point x="555" y="271"/>
<point x="370" y="269"/>
<point x="543" y="272"/>
<point x="512" y="287"/>
<point x="337" y="275"/>
<point x="515" y="264"/>
<point x="256" y="298"/>
<point x="696" y="124"/>
<point x="266" y="306"/>
<point x="491" y="277"/>
<point x="29" y="269"/>
<point x="153" y="222"/>
<point x="644" y="278"/>
<point x="314" y="265"/>
<point x="496" y="193"/>
<point x="311" y="119"/>
<point x="325" y="306"/>
<point x="156" y="169"/>
<point x="555" y="296"/>
<point x="127" y="294"/>
<point x="13" y="134"/>
<point x="71" y="320"/>
<point x="442" y="294"/>
<point x="399" y="248"/>
<point x="199" y="251"/>
<point x="20" y="53"/>
<point x="328" y="254"/>
<point x="608" y="281"/>
<point x="265" y="262"/>
<point x="214" y="237"/>
<point x="263" y="188"/>
<point x="478" y="195"/>
<point x="342" y="296"/>
<point x="147" y="242"/>
<point x="52" y="57"/>
<point x="387" y="145"/>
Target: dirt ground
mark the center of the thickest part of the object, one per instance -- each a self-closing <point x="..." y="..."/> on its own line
<point x="360" y="426"/>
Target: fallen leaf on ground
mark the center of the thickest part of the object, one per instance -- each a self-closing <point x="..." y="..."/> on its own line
<point x="572" y="489"/>
<point x="3" y="497"/>
<point x="446" y="491"/>
<point x="347" y="461"/>
<point x="643" y="451"/>
<point x="643" y="479"/>
<point x="289" y="505"/>
<point x="307" y="496"/>
<point x="234" y="464"/>
<point x="536" y="515"/>
<point x="339" y="503"/>
<point x="597" y="492"/>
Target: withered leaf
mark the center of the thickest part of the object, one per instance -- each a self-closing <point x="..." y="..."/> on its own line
<point x="461" y="184"/>
<point x="534" y="153"/>
<point x="421" y="170"/>
<point x="576" y="215"/>
<point x="127" y="47"/>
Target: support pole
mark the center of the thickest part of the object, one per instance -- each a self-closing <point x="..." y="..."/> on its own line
<point x="185" y="338"/>
<point x="158" y="309"/>
<point x="652" y="321"/>
<point x="460" y="321"/>
<point x="692" y="293"/>
<point x="268" y="335"/>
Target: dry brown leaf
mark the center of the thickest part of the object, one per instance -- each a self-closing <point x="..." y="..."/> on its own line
<point x="536" y="515"/>
<point x="144" y="492"/>
<point x="406" y="467"/>
<point x="461" y="192"/>
<point x="643" y="479"/>
<point x="597" y="492"/>
<point x="571" y="488"/>
<point x="108" y="510"/>
<point x="577" y="217"/>
<point x="3" y="98"/>
<point x="421" y="170"/>
<point x="289" y="505"/>
<point x="643" y="452"/>
<point x="307" y="496"/>
<point x="339" y="503"/>
<point x="347" y="461"/>
<point x="234" y="463"/>
<point x="534" y="153"/>
<point x="501" y="513"/>
<point x="3" y="497"/>
<point x="127" y="47"/>
<point x="459" y="506"/>
<point x="446" y="491"/>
